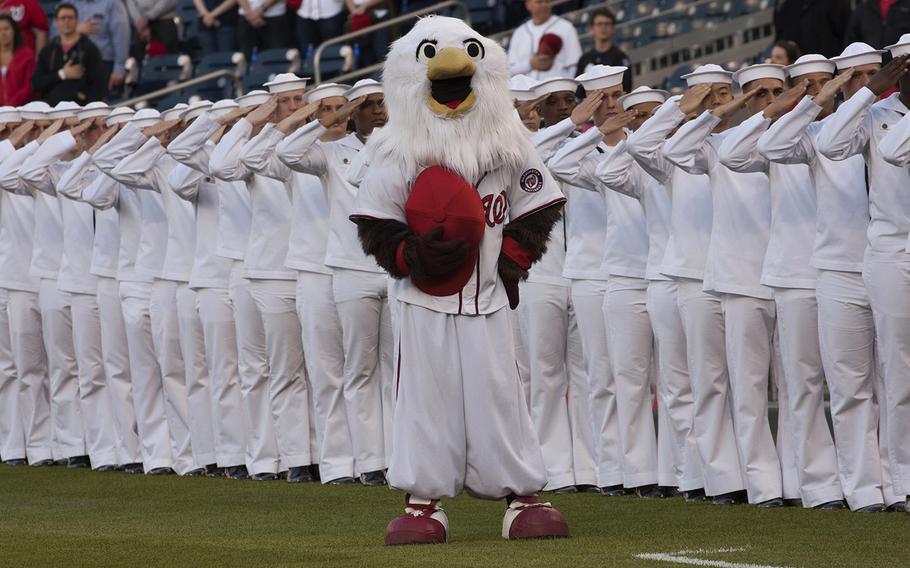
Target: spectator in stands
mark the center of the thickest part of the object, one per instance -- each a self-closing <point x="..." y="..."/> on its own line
<point x="784" y="52"/>
<point x="69" y="68"/>
<point x="365" y="13"/>
<point x="17" y="62"/>
<point x="879" y="22"/>
<point x="262" y="25"/>
<point x="155" y="26"/>
<point x="31" y="19"/>
<point x="817" y="26"/>
<point x="603" y="24"/>
<point x="545" y="46"/>
<point x="318" y="21"/>
<point x="107" y="24"/>
<point x="217" y="25"/>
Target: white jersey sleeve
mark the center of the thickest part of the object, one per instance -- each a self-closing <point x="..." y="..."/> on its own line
<point x="688" y="148"/>
<point x="521" y="50"/>
<point x="787" y="142"/>
<point x="848" y="131"/>
<point x="383" y="193"/>
<point x="739" y="150"/>
<point x="532" y="189"/>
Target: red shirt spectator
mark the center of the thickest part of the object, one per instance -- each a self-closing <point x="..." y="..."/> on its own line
<point x="17" y="61"/>
<point x="32" y="21"/>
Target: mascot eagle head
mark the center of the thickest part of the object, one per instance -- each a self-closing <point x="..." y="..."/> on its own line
<point x="447" y="94"/>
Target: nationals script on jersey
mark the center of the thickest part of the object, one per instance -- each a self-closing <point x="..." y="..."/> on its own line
<point x="506" y="195"/>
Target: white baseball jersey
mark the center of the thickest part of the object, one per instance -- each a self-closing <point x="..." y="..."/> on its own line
<point x="17" y="219"/>
<point x="526" y="40"/>
<point x="505" y="193"/>
<point x="742" y="210"/>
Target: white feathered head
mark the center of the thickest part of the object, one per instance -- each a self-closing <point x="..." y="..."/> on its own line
<point x="447" y="93"/>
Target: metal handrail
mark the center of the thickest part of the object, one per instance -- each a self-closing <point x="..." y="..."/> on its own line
<point x="178" y="87"/>
<point x="317" y="57"/>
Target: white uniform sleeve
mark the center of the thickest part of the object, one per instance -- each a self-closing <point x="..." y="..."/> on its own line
<point x="142" y="169"/>
<point x="124" y="143"/>
<point x="520" y="51"/>
<point x="225" y="162"/>
<point x="739" y="150"/>
<point x="787" y="142"/>
<point x="10" y="180"/>
<point x="617" y="171"/>
<point x="688" y="148"/>
<point x="75" y="179"/>
<point x="847" y="132"/>
<point x="184" y="181"/>
<point x="36" y="171"/>
<point x="259" y="154"/>
<point x="383" y="193"/>
<point x="532" y="189"/>
<point x="102" y="193"/>
<point x="547" y="140"/>
<point x="895" y="145"/>
<point x="645" y="144"/>
<point x="190" y="146"/>
<point x="572" y="165"/>
<point x="301" y="151"/>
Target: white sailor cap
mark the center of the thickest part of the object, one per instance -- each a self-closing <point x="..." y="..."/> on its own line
<point x="760" y="71"/>
<point x="9" y="114"/>
<point x="253" y="98"/>
<point x="93" y="110"/>
<point x="64" y="109"/>
<point x="145" y="117"/>
<point x="35" y="110"/>
<point x="601" y="77"/>
<point x="195" y="109"/>
<point x="327" y="90"/>
<point x="521" y="88"/>
<point x="643" y="95"/>
<point x="119" y="115"/>
<point x="174" y="112"/>
<point x="363" y="88"/>
<point x="707" y="74"/>
<point x="223" y="107"/>
<point x="811" y="63"/>
<point x="902" y="47"/>
<point x="555" y="85"/>
<point x="284" y="82"/>
<point x="856" y="54"/>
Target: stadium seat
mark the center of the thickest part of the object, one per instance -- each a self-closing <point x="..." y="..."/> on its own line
<point x="332" y="61"/>
<point x="169" y="101"/>
<point x="222" y="86"/>
<point x="48" y="6"/>
<point x="279" y="60"/>
<point x="483" y="15"/>
<point x="255" y="79"/>
<point x="163" y="70"/>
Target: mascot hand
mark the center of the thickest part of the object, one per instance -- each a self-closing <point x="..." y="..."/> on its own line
<point x="439" y="257"/>
<point x="511" y="274"/>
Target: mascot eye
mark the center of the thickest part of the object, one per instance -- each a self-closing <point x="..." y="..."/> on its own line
<point x="474" y="49"/>
<point x="426" y="51"/>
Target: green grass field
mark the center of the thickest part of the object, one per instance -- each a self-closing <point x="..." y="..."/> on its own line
<point x="56" y="516"/>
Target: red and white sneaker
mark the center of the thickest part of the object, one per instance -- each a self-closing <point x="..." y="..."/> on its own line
<point x="527" y="517"/>
<point x="423" y="522"/>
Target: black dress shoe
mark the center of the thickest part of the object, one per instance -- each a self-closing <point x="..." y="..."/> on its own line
<point x="133" y="468"/>
<point x="78" y="462"/>
<point x="266" y="476"/>
<point x="283" y="475"/>
<point x="314" y="471"/>
<point x="237" y="472"/>
<point x="22" y="461"/>
<point x="61" y="461"/>
<point x="587" y="488"/>
<point x="613" y="491"/>
<point x="342" y="481"/>
<point x="373" y="478"/>
<point x="212" y="470"/>
<point x="106" y="468"/>
<point x="568" y="489"/>
<point x="831" y="506"/>
<point x="771" y="503"/>
<point x="695" y="496"/>
<point x="734" y="498"/>
<point x="649" y="492"/>
<point x="793" y="503"/>
<point x="198" y="472"/>
<point x="43" y="463"/>
<point x="300" y="474"/>
<point x="874" y="508"/>
<point x="161" y="471"/>
<point x="899" y="507"/>
<point x="670" y="492"/>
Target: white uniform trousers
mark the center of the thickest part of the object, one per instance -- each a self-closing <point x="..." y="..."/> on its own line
<point x="363" y="308"/>
<point x="797" y="327"/>
<point x="166" y="338"/>
<point x="667" y="466"/>
<point x="288" y="390"/>
<point x="588" y="300"/>
<point x="522" y="359"/>
<point x="887" y="280"/>
<point x="219" y="331"/>
<point x="703" y="320"/>
<point x="786" y="425"/>
<point x="198" y="390"/>
<point x="469" y="426"/>
<point x="27" y="342"/>
<point x="152" y="421"/>
<point x="115" y="349"/>
<point x="749" y="326"/>
<point x="94" y="396"/>
<point x="66" y="411"/>
<point x="889" y="494"/>
<point x="559" y="391"/>
<point x="674" y="387"/>
<point x="847" y="342"/>
<point x="323" y="350"/>
<point x="12" y="434"/>
<point x="252" y="363"/>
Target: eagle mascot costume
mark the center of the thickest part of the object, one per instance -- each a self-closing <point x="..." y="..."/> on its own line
<point x="456" y="205"/>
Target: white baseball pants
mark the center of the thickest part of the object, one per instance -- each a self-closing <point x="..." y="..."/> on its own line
<point x="363" y="309"/>
<point x="253" y="366"/>
<point x="288" y="390"/>
<point x="469" y="427"/>
<point x="12" y="434"/>
<point x="220" y="334"/>
<point x="703" y="320"/>
<point x="323" y="349"/>
<point x="198" y="391"/>
<point x="147" y="383"/>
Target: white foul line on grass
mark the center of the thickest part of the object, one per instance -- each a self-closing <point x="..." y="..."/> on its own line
<point x="684" y="557"/>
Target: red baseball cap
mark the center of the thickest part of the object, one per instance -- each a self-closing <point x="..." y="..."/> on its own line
<point x="550" y="44"/>
<point x="440" y="197"/>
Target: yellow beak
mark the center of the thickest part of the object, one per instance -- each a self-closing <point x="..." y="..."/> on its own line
<point x="450" y="62"/>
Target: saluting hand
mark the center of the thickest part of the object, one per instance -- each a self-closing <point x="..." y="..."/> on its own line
<point x="694" y="98"/>
<point x="725" y="110"/>
<point x="889" y="75"/>
<point x="784" y="103"/>
<point x="585" y="109"/>
<point x="830" y="89"/>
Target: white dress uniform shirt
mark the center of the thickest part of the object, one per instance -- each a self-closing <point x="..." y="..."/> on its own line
<point x="526" y="40"/>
